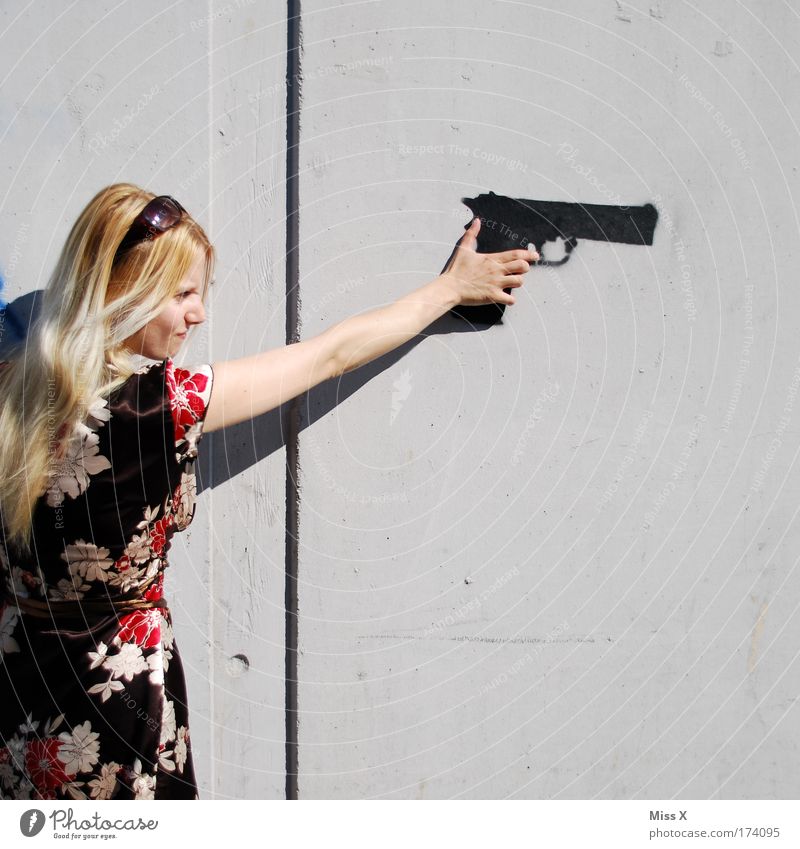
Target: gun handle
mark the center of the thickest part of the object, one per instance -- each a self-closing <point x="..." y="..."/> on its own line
<point x="483" y="313"/>
<point x="492" y="313"/>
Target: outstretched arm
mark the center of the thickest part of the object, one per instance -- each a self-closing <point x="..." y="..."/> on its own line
<point x="249" y="386"/>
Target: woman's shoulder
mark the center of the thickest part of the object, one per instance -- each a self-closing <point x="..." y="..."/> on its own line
<point x="176" y="386"/>
<point x="142" y="391"/>
<point x="172" y="377"/>
<point x="179" y="394"/>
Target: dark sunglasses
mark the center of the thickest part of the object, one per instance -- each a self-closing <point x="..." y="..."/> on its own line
<point x="159" y="215"/>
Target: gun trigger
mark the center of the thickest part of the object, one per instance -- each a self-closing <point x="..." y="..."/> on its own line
<point x="569" y="244"/>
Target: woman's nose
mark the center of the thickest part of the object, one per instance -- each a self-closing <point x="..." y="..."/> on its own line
<point x="197" y="314"/>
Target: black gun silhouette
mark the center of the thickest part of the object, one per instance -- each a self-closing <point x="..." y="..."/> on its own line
<point x="510" y="223"/>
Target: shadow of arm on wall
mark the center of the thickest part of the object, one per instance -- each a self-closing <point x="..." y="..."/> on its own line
<point x="232" y="450"/>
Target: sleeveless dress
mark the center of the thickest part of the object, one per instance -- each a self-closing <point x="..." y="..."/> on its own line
<point x="94" y="707"/>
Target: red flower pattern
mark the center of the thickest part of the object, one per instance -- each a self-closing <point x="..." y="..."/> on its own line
<point x="156" y="589"/>
<point x="158" y="536"/>
<point x="177" y="495"/>
<point x="123" y="564"/>
<point x="185" y="392"/>
<point x="142" y="627"/>
<point x="44" y="767"/>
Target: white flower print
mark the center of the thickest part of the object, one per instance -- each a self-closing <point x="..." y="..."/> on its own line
<point x="143" y="783"/>
<point x="67" y="590"/>
<point x="167" y="643"/>
<point x="70" y="475"/>
<point x="98" y="413"/>
<point x="152" y="569"/>
<point x="150" y="514"/>
<point x="13" y="771"/>
<point x="80" y="750"/>
<point x="138" y="549"/>
<point x="181" y="747"/>
<point x="8" y="622"/>
<point x="156" y="664"/>
<point x="30" y="726"/>
<point x="97" y="657"/>
<point x="187" y="495"/>
<point x="52" y="724"/>
<point x="192" y="436"/>
<point x="6" y="775"/>
<point x="103" y="786"/>
<point x="16" y="751"/>
<point x="74" y="789"/>
<point x="88" y="561"/>
<point x="168" y="722"/>
<point x="165" y="760"/>
<point x="24" y="790"/>
<point x="106" y="689"/>
<point x="126" y="578"/>
<point x="167" y="635"/>
<point x="127" y="663"/>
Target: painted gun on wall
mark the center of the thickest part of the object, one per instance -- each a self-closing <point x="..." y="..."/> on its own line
<point x="510" y="223"/>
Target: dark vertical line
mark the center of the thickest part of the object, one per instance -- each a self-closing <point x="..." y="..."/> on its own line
<point x="293" y="44"/>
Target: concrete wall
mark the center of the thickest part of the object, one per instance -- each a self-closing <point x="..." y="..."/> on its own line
<point x="552" y="558"/>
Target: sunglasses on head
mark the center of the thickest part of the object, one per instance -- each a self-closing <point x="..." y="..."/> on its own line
<point x="160" y="214"/>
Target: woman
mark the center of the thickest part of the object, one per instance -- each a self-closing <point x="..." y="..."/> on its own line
<point x="96" y="475"/>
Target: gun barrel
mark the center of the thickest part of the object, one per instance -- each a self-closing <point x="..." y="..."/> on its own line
<point x="508" y="223"/>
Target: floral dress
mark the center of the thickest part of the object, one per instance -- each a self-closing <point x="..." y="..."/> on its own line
<point x="95" y="707"/>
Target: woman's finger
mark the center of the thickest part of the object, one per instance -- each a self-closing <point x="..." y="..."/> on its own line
<point x="518" y="253"/>
<point x="517" y="265"/>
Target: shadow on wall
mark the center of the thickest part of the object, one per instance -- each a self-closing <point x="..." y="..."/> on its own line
<point x="228" y="452"/>
<point x="238" y="447"/>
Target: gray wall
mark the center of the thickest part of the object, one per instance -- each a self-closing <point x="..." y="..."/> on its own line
<point x="553" y="558"/>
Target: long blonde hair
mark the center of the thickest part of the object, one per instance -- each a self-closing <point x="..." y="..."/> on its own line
<point x="75" y="351"/>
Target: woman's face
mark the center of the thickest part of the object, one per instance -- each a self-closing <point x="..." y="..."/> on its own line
<point x="163" y="336"/>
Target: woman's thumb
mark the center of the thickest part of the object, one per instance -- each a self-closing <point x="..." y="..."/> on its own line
<point x="470" y="238"/>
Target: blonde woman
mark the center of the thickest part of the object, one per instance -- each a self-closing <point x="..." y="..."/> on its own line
<point x="96" y="475"/>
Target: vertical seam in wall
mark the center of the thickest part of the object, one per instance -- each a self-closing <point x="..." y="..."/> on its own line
<point x="293" y="45"/>
<point x="210" y="448"/>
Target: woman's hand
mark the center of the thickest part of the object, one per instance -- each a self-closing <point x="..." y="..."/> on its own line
<point x="249" y="386"/>
<point x="480" y="278"/>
